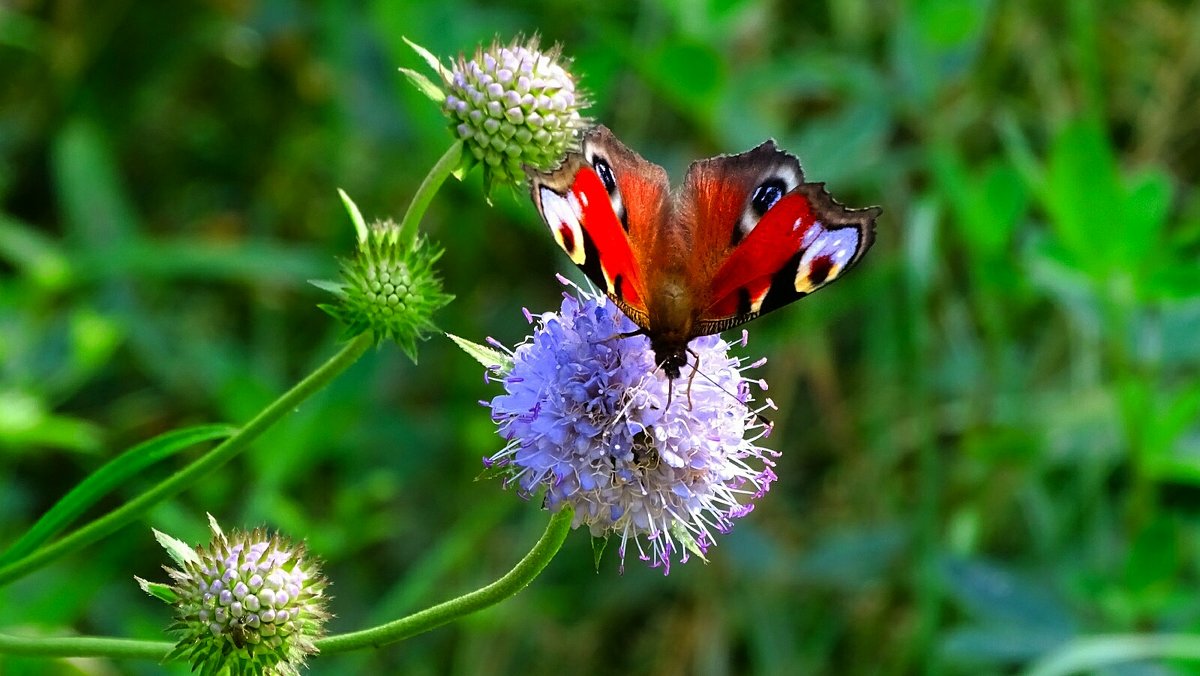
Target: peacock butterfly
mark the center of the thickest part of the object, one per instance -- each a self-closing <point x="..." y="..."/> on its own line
<point x="746" y="235"/>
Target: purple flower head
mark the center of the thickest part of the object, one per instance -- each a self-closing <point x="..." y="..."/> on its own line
<point x="587" y="417"/>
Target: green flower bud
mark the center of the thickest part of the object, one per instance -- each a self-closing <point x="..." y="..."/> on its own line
<point x="249" y="603"/>
<point x="511" y="106"/>
<point x="390" y="287"/>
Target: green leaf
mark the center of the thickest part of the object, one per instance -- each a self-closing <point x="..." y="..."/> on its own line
<point x="424" y="85"/>
<point x="946" y="25"/>
<point x="160" y="591"/>
<point x="215" y="527"/>
<point x="26" y="422"/>
<point x="483" y="354"/>
<point x="1147" y="203"/>
<point x="1000" y="203"/>
<point x="41" y="258"/>
<point x="177" y="549"/>
<point x="599" y="544"/>
<point x="92" y="193"/>
<point x="1173" y="416"/>
<point x="94" y="338"/>
<point x="689" y="541"/>
<point x="987" y="206"/>
<point x="1084" y="198"/>
<point x="107" y="478"/>
<point x="360" y="225"/>
<point x="1154" y="559"/>
<point x="429" y="59"/>
<point x="336" y="288"/>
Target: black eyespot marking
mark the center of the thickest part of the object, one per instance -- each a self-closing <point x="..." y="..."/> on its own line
<point x="605" y="173"/>
<point x="736" y="236"/>
<point x="766" y="195"/>
<point x="743" y="307"/>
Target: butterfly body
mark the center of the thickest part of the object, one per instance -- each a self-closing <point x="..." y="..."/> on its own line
<point x="744" y="235"/>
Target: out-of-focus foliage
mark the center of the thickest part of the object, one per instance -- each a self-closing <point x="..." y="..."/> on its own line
<point x="990" y="428"/>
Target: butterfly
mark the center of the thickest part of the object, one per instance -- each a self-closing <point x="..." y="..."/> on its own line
<point x="744" y="236"/>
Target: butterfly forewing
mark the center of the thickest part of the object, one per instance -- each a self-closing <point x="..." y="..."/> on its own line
<point x="603" y="206"/>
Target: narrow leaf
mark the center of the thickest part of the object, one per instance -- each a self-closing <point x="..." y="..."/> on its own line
<point x="177" y="549"/>
<point x="483" y="354"/>
<point x="158" y="590"/>
<point x="93" y="196"/>
<point x="336" y="288"/>
<point x="424" y="85"/>
<point x="1083" y="197"/>
<point x="36" y="254"/>
<point x="215" y="527"/>
<point x="599" y="544"/>
<point x="688" y="540"/>
<point x="429" y="59"/>
<point x="109" y="476"/>
<point x="360" y="225"/>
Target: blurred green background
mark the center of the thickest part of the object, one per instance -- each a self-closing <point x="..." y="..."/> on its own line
<point x="990" y="434"/>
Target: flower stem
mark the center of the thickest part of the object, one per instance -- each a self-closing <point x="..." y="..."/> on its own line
<point x="84" y="646"/>
<point x="445" y="166"/>
<point x="514" y="581"/>
<point x="199" y="468"/>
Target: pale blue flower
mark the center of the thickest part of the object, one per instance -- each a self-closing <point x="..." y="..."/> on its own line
<point x="591" y="419"/>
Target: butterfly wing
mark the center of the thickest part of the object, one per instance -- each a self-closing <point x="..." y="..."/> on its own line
<point x="767" y="237"/>
<point x="604" y="206"/>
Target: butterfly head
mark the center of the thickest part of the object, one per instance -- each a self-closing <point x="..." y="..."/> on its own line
<point x="672" y="357"/>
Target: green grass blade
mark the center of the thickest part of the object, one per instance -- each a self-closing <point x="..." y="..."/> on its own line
<point x="108" y="477"/>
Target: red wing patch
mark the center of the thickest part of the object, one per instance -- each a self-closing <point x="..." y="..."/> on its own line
<point x="584" y="224"/>
<point x="756" y="259"/>
<point x="805" y="241"/>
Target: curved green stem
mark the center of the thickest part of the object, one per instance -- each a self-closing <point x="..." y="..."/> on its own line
<point x="185" y="477"/>
<point x="445" y="166"/>
<point x="84" y="646"/>
<point x="514" y="581"/>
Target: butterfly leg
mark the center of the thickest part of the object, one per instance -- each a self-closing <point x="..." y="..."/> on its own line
<point x="695" y="370"/>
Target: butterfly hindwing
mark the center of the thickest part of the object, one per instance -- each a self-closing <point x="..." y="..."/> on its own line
<point x="724" y="200"/>
<point x="804" y="241"/>
<point x="762" y="237"/>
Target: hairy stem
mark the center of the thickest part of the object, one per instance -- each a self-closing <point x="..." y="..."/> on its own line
<point x="445" y="166"/>
<point x="84" y="646"/>
<point x="514" y="581"/>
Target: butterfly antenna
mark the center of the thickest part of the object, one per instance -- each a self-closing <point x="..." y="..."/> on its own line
<point x="762" y="419"/>
<point x="670" y="390"/>
<point x="695" y="370"/>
